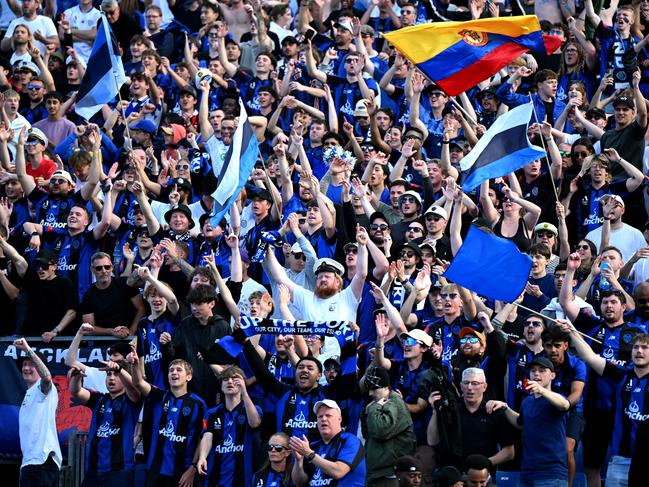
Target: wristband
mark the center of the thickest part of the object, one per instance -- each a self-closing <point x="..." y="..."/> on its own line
<point x="56" y="331"/>
<point x="446" y="142"/>
<point x="195" y="467"/>
<point x="310" y="457"/>
<point x="35" y="234"/>
<point x="379" y="348"/>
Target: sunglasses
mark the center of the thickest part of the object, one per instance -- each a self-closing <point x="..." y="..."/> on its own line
<point x="351" y="250"/>
<point x="416" y="229"/>
<point x="535" y="324"/>
<point x="565" y="153"/>
<point x="302" y="221"/>
<point x="448" y="295"/>
<point x="582" y="247"/>
<point x="42" y="265"/>
<point x="407" y="253"/>
<point x="471" y="340"/>
<point x="431" y="218"/>
<point x="331" y="368"/>
<point x="436" y="94"/>
<point x="407" y="199"/>
<point x="410" y="342"/>
<point x="271" y="447"/>
<point x="378" y="226"/>
<point x="545" y="234"/>
<point x="299" y="256"/>
<point x="32" y="142"/>
<point x="99" y="268"/>
<point x="58" y="181"/>
<point x="34" y="87"/>
<point x="415" y="137"/>
<point x="182" y="166"/>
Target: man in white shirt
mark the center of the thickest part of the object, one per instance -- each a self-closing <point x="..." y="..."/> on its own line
<point x="42" y="27"/>
<point x="81" y="22"/>
<point x="329" y="301"/>
<point x="37" y="421"/>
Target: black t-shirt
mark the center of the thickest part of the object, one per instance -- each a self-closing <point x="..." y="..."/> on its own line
<point x="629" y="142"/>
<point x="482" y="433"/>
<point x="111" y="306"/>
<point x="47" y="302"/>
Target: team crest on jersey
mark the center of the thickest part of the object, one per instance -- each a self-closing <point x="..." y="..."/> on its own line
<point x="474" y="38"/>
<point x="76" y="244"/>
<point x="186" y="410"/>
<point x="117" y="406"/>
<point x="627" y="337"/>
<point x="241" y="419"/>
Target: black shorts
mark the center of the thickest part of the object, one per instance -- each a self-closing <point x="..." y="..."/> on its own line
<point x="597" y="436"/>
<point x="575" y="425"/>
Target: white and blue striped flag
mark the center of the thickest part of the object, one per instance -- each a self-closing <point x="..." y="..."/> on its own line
<point x="104" y="74"/>
<point x="235" y="168"/>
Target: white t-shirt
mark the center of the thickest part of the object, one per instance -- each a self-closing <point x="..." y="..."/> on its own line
<point x="83" y="21"/>
<point x="37" y="424"/>
<point x="40" y="23"/>
<point x="627" y="239"/>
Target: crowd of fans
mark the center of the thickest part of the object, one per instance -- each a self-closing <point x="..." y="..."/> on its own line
<point x="351" y="216"/>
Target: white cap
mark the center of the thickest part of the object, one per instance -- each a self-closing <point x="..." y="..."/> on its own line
<point x="437" y="210"/>
<point x="419" y="335"/>
<point x="63" y="174"/>
<point x="331" y="404"/>
<point x="295" y="248"/>
<point x="37" y="134"/>
<point x="29" y="65"/>
<point x="546" y="227"/>
<point x="328" y="265"/>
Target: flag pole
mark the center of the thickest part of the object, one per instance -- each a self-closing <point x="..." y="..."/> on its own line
<point x="554" y="321"/>
<point x="536" y="117"/>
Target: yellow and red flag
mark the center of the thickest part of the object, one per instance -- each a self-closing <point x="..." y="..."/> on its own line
<point x="457" y="55"/>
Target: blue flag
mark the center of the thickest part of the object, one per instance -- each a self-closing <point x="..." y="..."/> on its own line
<point x="235" y="168"/>
<point x="104" y="75"/>
<point x="504" y="148"/>
<point x="491" y="266"/>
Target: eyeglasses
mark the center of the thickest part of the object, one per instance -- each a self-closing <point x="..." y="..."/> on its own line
<point x="410" y="342"/>
<point x="407" y="253"/>
<point x="180" y="167"/>
<point x="351" y="250"/>
<point x="311" y="338"/>
<point x="271" y="447"/>
<point x="415" y="137"/>
<point x="582" y="247"/>
<point x="106" y="267"/>
<point x="58" y="181"/>
<point x="435" y="218"/>
<point x="378" y="226"/>
<point x="473" y="383"/>
<point x="299" y="256"/>
<point x="416" y="229"/>
<point x="34" y="87"/>
<point x="407" y="199"/>
<point x="535" y="324"/>
<point x="448" y="295"/>
<point x="143" y="235"/>
<point x="471" y="340"/>
<point x="571" y="51"/>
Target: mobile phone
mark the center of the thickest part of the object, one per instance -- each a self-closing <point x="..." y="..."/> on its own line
<point x="308" y="35"/>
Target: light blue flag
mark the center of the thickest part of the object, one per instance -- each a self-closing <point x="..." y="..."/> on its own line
<point x="234" y="170"/>
<point x="104" y="74"/>
<point x="491" y="266"/>
<point x="504" y="148"/>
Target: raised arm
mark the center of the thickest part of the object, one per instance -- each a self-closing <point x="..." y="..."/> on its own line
<point x="43" y="371"/>
<point x="584" y="351"/>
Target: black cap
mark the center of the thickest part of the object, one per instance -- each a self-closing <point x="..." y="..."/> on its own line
<point x="255" y="192"/>
<point x="182" y="183"/>
<point x="408" y="464"/>
<point x="332" y="361"/>
<point x="542" y="362"/>
<point x="596" y="113"/>
<point x="486" y="91"/>
<point x="183" y="209"/>
<point x="447" y="476"/>
<point x="140" y="230"/>
<point x="376" y="215"/>
<point x="123" y="348"/>
<point x="188" y="89"/>
<point x="20" y="360"/>
<point x="624" y="100"/>
<point x="46" y="256"/>
<point x="409" y="245"/>
<point x="377" y="378"/>
<point x="289" y="40"/>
